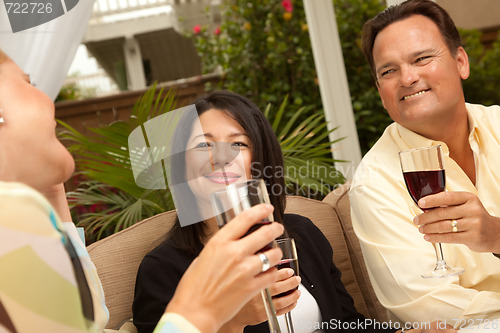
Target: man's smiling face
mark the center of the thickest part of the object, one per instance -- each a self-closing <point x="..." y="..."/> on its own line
<point x="418" y="78"/>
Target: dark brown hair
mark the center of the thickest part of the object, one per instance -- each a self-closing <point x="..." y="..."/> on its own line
<point x="392" y="14"/>
<point x="267" y="162"/>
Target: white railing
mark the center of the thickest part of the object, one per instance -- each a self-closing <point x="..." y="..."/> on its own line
<point x="109" y="7"/>
<point x="97" y="84"/>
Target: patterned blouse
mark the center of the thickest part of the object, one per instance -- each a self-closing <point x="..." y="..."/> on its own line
<point x="48" y="282"/>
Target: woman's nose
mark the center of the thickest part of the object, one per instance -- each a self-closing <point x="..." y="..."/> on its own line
<point x="223" y="153"/>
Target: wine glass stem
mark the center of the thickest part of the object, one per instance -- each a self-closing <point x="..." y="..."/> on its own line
<point x="272" y="320"/>
<point x="289" y="323"/>
<point x="439" y="252"/>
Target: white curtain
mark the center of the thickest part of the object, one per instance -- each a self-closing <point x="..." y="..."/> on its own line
<point x="42" y="37"/>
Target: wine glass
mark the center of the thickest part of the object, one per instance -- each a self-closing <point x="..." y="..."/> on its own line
<point x="423" y="172"/>
<point x="290" y="259"/>
<point x="231" y="201"/>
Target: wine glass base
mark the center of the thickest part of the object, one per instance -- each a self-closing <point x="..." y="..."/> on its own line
<point x="442" y="270"/>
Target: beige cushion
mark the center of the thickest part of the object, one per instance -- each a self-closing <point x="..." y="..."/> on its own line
<point x="326" y="219"/>
<point x="339" y="199"/>
<point x="117" y="259"/>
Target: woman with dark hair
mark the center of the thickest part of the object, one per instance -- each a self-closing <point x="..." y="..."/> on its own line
<point x="264" y="163"/>
<point x="231" y="121"/>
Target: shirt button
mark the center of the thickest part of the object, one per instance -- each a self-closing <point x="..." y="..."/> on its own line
<point x="313" y="287"/>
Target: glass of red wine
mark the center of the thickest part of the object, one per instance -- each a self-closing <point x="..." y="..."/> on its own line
<point x="231" y="201"/>
<point x="289" y="260"/>
<point x="423" y="172"/>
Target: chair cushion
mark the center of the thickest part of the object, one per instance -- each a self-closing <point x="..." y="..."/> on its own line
<point x="326" y="219"/>
<point x="339" y="200"/>
<point x="117" y="259"/>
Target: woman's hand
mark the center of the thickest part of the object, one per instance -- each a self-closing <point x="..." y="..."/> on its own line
<point x="227" y="273"/>
<point x="254" y="313"/>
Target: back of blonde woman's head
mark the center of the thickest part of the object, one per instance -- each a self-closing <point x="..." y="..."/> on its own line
<point x="3" y="56"/>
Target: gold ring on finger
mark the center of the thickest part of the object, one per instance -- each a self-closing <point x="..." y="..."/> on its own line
<point x="454" y="226"/>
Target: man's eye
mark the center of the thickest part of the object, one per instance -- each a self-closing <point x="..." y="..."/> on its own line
<point x="420" y="59"/>
<point x="389" y="71"/>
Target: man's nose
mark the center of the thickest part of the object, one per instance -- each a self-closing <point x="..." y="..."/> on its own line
<point x="409" y="75"/>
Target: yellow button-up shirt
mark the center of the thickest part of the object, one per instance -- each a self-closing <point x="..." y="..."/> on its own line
<point x="395" y="251"/>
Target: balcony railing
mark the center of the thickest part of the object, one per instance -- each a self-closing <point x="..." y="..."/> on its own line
<point x="96" y="84"/>
<point x="110" y="7"/>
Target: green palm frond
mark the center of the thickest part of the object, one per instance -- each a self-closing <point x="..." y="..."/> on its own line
<point x="103" y="162"/>
<point x="309" y="165"/>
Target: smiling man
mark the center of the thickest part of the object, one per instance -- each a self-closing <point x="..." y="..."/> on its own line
<point x="418" y="64"/>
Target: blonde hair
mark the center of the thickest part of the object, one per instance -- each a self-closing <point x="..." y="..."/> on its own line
<point x="3" y="56"/>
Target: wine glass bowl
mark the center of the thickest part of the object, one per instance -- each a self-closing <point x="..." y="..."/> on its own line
<point x="290" y="259"/>
<point x="230" y="202"/>
<point x="424" y="174"/>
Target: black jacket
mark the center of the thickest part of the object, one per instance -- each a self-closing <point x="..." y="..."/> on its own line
<point x="161" y="270"/>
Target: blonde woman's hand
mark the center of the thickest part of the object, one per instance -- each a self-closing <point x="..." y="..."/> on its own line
<point x="227" y="273"/>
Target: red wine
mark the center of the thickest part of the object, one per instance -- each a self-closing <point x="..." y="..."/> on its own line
<point x="288" y="263"/>
<point x="257" y="226"/>
<point x="422" y="183"/>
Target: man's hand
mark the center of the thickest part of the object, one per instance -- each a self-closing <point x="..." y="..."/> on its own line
<point x="475" y="228"/>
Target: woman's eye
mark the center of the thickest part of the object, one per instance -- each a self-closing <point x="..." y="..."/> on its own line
<point x="239" y="145"/>
<point x="203" y="145"/>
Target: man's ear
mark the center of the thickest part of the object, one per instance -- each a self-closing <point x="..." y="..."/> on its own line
<point x="462" y="63"/>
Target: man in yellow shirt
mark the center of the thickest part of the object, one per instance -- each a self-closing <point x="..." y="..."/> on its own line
<point x="418" y="64"/>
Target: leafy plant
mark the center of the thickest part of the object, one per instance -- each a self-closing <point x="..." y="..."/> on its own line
<point x="108" y="200"/>
<point x="264" y="51"/>
<point x="267" y="59"/>
<point x="371" y="117"/>
<point x="481" y="86"/>
<point x="309" y="166"/>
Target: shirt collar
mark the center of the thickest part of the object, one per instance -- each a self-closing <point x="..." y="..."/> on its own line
<point x="414" y="140"/>
<point x="474" y="136"/>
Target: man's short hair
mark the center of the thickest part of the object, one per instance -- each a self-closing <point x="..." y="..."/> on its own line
<point x="399" y="12"/>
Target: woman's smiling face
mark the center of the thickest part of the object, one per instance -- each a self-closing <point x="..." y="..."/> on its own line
<point x="218" y="153"/>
